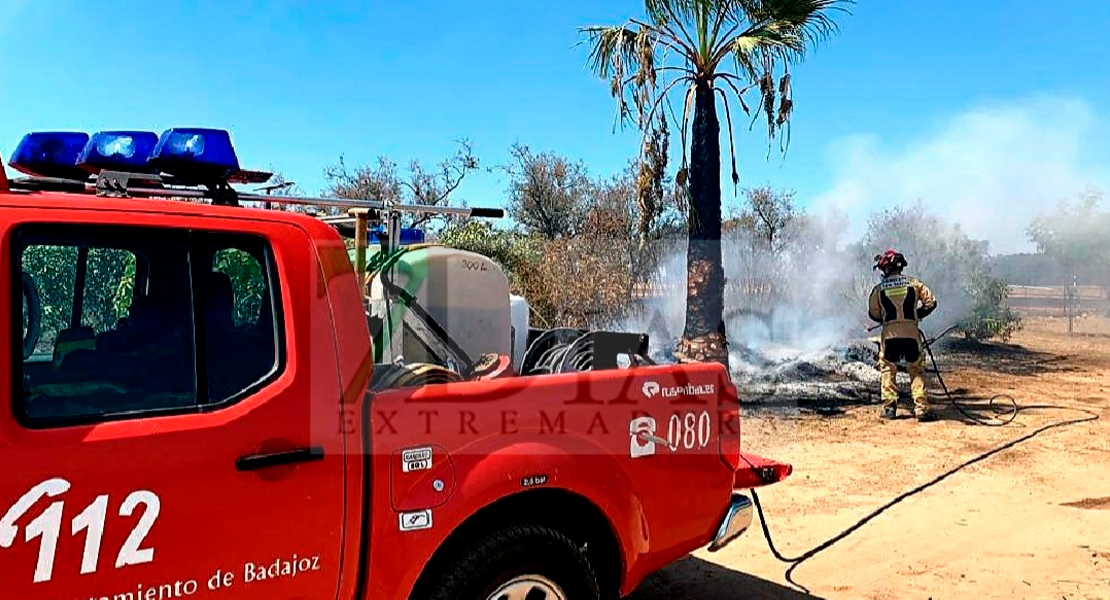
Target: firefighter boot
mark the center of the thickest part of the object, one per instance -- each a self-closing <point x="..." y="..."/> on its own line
<point x="921" y="408"/>
<point x="888" y="391"/>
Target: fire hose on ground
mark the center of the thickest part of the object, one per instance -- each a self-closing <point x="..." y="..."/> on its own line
<point x="1007" y="415"/>
<point x="795" y="561"/>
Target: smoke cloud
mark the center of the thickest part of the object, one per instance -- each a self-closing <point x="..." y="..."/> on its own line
<point x="777" y="305"/>
<point x="984" y="174"/>
<point x="992" y="168"/>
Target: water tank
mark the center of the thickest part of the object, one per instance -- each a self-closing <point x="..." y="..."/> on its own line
<point x="519" y="309"/>
<point x="465" y="292"/>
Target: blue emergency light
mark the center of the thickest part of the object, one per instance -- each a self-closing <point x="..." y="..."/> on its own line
<point x="118" y="151"/>
<point x="190" y="155"/>
<point x="196" y="155"/>
<point x="408" y="236"/>
<point x="50" y="154"/>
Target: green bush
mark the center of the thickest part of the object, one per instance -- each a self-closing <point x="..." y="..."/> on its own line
<point x="513" y="251"/>
<point x="989" y="317"/>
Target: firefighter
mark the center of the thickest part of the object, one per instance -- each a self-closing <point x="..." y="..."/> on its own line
<point x="898" y="303"/>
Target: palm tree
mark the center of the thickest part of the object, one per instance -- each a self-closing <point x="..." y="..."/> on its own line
<point x="686" y="43"/>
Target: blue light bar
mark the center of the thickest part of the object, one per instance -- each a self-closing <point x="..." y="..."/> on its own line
<point x="195" y="155"/>
<point x="50" y="154"/>
<point x="408" y="236"/>
<point x="118" y="150"/>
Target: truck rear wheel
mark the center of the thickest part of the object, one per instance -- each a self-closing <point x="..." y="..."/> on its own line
<point x="518" y="563"/>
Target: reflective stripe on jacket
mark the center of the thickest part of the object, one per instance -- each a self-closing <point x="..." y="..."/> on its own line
<point x="895" y="303"/>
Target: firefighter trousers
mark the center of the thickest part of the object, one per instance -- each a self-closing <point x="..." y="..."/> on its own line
<point x="893" y="350"/>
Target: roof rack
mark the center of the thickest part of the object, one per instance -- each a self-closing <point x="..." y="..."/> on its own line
<point x="202" y="166"/>
<point x="122" y="184"/>
<point x="361" y="213"/>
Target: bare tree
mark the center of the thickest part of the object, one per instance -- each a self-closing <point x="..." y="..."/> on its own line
<point x="421" y="185"/>
<point x="547" y="192"/>
<point x="771" y="216"/>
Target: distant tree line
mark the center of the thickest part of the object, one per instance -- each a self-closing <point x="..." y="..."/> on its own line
<point x="583" y="247"/>
<point x="795" y="272"/>
<point x="1075" y="238"/>
<point x="1038" y="269"/>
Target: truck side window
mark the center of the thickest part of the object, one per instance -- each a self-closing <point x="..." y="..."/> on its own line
<point x="126" y="322"/>
<point x="114" y="323"/>
<point x="247" y="280"/>
<point x="241" y="348"/>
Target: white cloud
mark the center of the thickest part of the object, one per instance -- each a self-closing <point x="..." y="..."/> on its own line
<point x="992" y="168"/>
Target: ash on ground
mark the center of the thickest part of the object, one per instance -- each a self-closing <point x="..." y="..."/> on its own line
<point x="780" y="374"/>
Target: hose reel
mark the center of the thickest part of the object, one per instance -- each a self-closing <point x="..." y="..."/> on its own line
<point x="565" y="350"/>
<point x="412" y="375"/>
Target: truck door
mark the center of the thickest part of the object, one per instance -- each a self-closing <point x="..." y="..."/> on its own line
<point x="172" y="430"/>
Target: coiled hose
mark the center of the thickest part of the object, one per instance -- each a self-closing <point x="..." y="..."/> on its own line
<point x="561" y="350"/>
<point x="999" y="422"/>
<point x="576" y="356"/>
<point x="413" y="375"/>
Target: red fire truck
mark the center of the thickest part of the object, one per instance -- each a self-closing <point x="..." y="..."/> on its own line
<point x="211" y="398"/>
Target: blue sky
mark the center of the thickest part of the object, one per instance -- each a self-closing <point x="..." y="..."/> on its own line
<point x="977" y="107"/>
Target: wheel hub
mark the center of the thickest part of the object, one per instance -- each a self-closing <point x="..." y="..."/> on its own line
<point x="528" y="587"/>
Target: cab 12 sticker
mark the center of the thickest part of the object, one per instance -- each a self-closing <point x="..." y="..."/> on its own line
<point x="91" y="521"/>
<point x="685" y="431"/>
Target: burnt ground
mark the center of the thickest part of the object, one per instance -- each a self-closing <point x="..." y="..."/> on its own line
<point x="946" y="513"/>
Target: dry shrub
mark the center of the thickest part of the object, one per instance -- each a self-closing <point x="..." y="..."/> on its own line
<point x="582" y="282"/>
<point x="587" y="280"/>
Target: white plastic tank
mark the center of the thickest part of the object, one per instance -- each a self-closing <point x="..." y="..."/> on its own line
<point x="467" y="293"/>
<point x="520" y="310"/>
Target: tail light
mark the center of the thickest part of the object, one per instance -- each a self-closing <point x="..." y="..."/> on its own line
<point x="728" y="429"/>
<point x="749" y="470"/>
<point x="759" y="471"/>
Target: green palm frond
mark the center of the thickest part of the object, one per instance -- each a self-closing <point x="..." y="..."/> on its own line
<point x="613" y="47"/>
<point x="672" y="16"/>
<point x="812" y="19"/>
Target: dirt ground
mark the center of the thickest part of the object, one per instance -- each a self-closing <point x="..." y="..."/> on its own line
<point x="1030" y="521"/>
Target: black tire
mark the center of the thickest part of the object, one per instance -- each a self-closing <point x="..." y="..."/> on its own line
<point x="480" y="570"/>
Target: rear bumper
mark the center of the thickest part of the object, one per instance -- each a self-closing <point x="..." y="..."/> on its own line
<point x="737" y="520"/>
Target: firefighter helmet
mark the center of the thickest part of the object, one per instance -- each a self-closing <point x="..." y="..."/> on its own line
<point x="889" y="260"/>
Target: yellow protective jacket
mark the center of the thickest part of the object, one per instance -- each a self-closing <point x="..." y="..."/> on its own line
<point x="895" y="303"/>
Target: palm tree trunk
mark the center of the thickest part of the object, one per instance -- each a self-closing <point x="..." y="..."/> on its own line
<point x="704" y="339"/>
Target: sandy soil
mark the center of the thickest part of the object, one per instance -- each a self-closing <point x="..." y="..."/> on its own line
<point x="1030" y="521"/>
